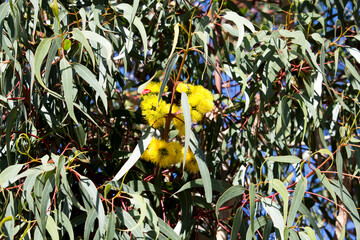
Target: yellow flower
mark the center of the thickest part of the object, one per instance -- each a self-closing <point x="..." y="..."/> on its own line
<point x="190" y="162"/>
<point x="201" y="99"/>
<point x="178" y="121"/>
<point x="154" y="115"/>
<point x="184" y="87"/>
<point x="154" y="87"/>
<point x="196" y="116"/>
<point x="177" y="147"/>
<point x="162" y="153"/>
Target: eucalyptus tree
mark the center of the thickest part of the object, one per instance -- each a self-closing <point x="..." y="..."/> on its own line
<point x="248" y="111"/>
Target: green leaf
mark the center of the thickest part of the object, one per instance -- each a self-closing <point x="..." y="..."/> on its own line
<point x="176" y="38"/>
<point x="304" y="236"/>
<point x="281" y="189"/>
<point x="138" y="151"/>
<point x="100" y="39"/>
<point x="204" y="171"/>
<point x="67" y="81"/>
<point x="4" y="11"/>
<point x="90" y="78"/>
<point x="217" y="185"/>
<point x="273" y="210"/>
<point x="252" y="207"/>
<point x="349" y="204"/>
<point x="129" y="222"/>
<point x="284" y="159"/>
<point x="296" y="200"/>
<point x="142" y="87"/>
<point x="232" y="192"/>
<point x="79" y="36"/>
<point x="67" y="44"/>
<point x="339" y="167"/>
<point x="169" y="68"/>
<point x="7" y="175"/>
<point x="238" y="226"/>
<point x="355" y="53"/>
<point x="52" y="228"/>
<point x="40" y="54"/>
<point x="88" y="186"/>
<point x="187" y="119"/>
<point x="310" y="233"/>
<point x="62" y="219"/>
<point x="89" y="223"/>
<point x="110" y="233"/>
<point x="326" y="183"/>
<point x="167" y="230"/>
<point x="11" y="119"/>
<point x="140" y="186"/>
<point x="259" y="222"/>
<point x="240" y="22"/>
<point x="129" y="15"/>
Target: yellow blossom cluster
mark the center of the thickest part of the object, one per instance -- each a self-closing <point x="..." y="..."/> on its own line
<point x="201" y="101"/>
<point x="165" y="154"/>
<point x="155" y="112"/>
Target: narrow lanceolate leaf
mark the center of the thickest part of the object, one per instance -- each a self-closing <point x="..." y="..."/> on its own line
<point x="349" y="204"/>
<point x="79" y="36"/>
<point x="140" y="202"/>
<point x="310" y="233"/>
<point x="67" y="81"/>
<point x="167" y="230"/>
<point x="252" y="207"/>
<point x="4" y="10"/>
<point x="169" y="68"/>
<point x="90" y="78"/>
<point x="232" y="192"/>
<point x="281" y="189"/>
<point x="204" y="171"/>
<point x="339" y="166"/>
<point x="40" y="54"/>
<point x="327" y="184"/>
<point x="217" y="185"/>
<point x="240" y="22"/>
<point x="259" y="222"/>
<point x="10" y="173"/>
<point x="355" y="53"/>
<point x="63" y="220"/>
<point x="138" y="151"/>
<point x="110" y="233"/>
<point x="51" y="227"/>
<point x="273" y="210"/>
<point x="176" y="38"/>
<point x="296" y="200"/>
<point x="238" y="226"/>
<point x="285" y="159"/>
<point x="187" y="119"/>
<point x="88" y="186"/>
<point x="10" y="122"/>
<point x="100" y="39"/>
<point x="142" y="87"/>
<point x="129" y="15"/>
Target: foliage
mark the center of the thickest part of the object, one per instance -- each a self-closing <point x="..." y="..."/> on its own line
<point x="278" y="155"/>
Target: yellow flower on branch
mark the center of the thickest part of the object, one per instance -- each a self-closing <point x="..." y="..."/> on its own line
<point x="178" y="121"/>
<point x="154" y="88"/>
<point x="184" y="87"/>
<point x="162" y="153"/>
<point x="153" y="112"/>
<point x="190" y="163"/>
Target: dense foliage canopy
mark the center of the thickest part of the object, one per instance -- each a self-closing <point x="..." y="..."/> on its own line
<point x="250" y="110"/>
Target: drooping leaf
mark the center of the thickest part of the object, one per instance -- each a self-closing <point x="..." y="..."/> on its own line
<point x="138" y="151"/>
